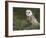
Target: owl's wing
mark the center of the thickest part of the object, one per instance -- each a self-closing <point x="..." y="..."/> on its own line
<point x="34" y="20"/>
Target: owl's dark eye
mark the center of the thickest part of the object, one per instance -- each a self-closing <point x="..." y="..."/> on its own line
<point x="29" y="12"/>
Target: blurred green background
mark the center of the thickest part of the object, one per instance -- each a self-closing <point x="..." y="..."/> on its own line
<point x="19" y="18"/>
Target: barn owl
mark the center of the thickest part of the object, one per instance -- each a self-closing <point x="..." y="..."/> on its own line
<point x="31" y="18"/>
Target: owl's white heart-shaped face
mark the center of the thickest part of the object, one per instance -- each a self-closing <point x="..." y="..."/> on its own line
<point x="28" y="12"/>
